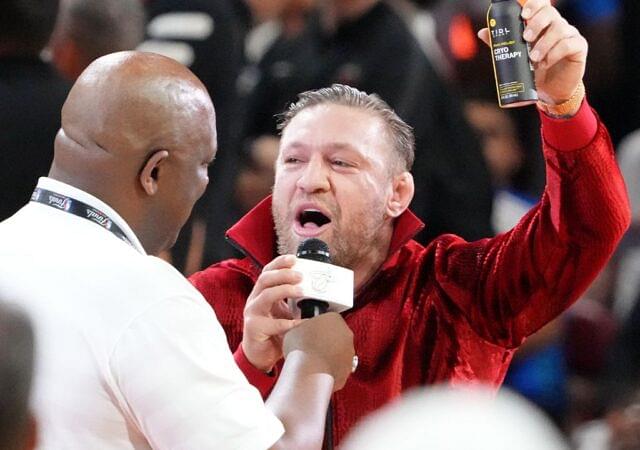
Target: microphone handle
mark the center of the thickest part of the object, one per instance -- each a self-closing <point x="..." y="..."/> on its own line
<point x="311" y="308"/>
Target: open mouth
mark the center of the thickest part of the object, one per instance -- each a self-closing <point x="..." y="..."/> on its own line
<point x="310" y="222"/>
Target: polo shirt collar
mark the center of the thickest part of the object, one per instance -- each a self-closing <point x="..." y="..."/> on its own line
<point x="65" y="189"/>
<point x="254" y="234"/>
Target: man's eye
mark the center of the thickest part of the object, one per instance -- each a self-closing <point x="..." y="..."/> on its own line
<point x="291" y="160"/>
<point x="340" y="163"/>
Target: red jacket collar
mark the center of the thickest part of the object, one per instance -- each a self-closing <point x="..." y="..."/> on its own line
<point x="254" y="233"/>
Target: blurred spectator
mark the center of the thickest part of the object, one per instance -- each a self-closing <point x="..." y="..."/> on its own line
<point x="367" y="45"/>
<point x="31" y="96"/>
<point x="589" y="332"/>
<point x="599" y="22"/>
<point x="17" y="425"/>
<point x="446" y="419"/>
<point x="277" y="69"/>
<point x="629" y="104"/>
<point x="624" y="356"/>
<point x="619" y="429"/>
<point x="277" y="24"/>
<point x="88" y="29"/>
<point x="256" y="177"/>
<point x="502" y="151"/>
<point x="207" y="36"/>
<point x="423" y="25"/>
<point x="627" y="283"/>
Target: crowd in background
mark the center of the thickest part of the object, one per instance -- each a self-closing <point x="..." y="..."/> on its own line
<point x="478" y="168"/>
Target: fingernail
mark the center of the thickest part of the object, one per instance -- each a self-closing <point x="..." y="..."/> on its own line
<point x="528" y="35"/>
<point x="534" y="55"/>
<point x="297" y="275"/>
<point x="526" y="12"/>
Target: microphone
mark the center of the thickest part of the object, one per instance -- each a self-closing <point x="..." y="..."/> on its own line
<point x="315" y="250"/>
<point x="325" y="287"/>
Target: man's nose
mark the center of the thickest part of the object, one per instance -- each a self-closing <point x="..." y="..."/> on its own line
<point x="314" y="177"/>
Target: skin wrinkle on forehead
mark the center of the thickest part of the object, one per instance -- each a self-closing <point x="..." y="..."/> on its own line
<point x="365" y="143"/>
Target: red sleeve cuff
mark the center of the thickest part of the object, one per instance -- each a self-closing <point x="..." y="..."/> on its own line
<point x="262" y="381"/>
<point x="570" y="134"/>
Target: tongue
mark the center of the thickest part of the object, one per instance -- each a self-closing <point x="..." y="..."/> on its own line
<point x="310" y="225"/>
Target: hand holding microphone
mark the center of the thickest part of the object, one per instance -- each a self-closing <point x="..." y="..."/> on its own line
<point x="325" y="287"/>
<point x="266" y="314"/>
<point x="309" y="282"/>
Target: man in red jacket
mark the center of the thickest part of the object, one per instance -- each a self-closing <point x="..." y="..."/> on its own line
<point x="452" y="312"/>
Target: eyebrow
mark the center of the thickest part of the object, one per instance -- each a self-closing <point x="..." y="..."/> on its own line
<point x="332" y="145"/>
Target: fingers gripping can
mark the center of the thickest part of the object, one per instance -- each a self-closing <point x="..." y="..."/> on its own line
<point x="510" y="55"/>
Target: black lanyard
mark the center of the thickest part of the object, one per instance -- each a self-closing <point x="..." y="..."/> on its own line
<point x="78" y="208"/>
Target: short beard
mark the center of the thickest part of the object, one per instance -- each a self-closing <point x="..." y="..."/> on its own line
<point x="346" y="251"/>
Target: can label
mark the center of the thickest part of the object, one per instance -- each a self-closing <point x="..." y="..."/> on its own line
<point x="510" y="54"/>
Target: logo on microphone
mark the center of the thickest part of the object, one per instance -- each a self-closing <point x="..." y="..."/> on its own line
<point x="320" y="281"/>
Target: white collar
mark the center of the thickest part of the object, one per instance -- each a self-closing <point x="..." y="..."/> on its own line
<point x="65" y="189"/>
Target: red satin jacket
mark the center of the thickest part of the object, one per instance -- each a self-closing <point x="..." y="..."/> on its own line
<point x="455" y="311"/>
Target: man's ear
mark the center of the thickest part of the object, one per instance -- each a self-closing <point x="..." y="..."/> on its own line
<point x="151" y="171"/>
<point x="401" y="195"/>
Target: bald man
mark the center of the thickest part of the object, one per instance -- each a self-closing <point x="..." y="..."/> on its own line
<point x="130" y="355"/>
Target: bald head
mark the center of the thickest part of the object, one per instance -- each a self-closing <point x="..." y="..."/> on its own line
<point x="129" y="112"/>
<point x="123" y="103"/>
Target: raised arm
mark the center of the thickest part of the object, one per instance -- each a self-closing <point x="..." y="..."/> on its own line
<point x="511" y="285"/>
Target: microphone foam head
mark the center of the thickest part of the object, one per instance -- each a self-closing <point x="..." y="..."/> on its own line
<point x="314" y="249"/>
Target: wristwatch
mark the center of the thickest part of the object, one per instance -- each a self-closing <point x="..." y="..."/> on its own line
<point x="567" y="108"/>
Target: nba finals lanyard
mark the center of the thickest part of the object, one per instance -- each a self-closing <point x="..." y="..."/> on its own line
<point x="80" y="209"/>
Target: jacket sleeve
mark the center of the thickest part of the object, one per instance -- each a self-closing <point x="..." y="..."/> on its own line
<point x="509" y="286"/>
<point x="264" y="382"/>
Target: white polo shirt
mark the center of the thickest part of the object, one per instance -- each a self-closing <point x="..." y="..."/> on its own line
<point x="129" y="354"/>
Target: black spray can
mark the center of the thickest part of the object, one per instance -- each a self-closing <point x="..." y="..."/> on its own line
<point x="510" y="55"/>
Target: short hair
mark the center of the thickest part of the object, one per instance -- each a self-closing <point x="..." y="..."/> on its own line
<point x="28" y="24"/>
<point x="398" y="131"/>
<point x="100" y="27"/>
<point x="16" y="372"/>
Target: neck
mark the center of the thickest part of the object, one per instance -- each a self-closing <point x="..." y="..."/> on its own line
<point x="369" y="265"/>
<point x="146" y="231"/>
<point x="133" y="213"/>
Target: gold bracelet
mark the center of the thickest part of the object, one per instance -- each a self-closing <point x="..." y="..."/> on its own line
<point x="567" y="108"/>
